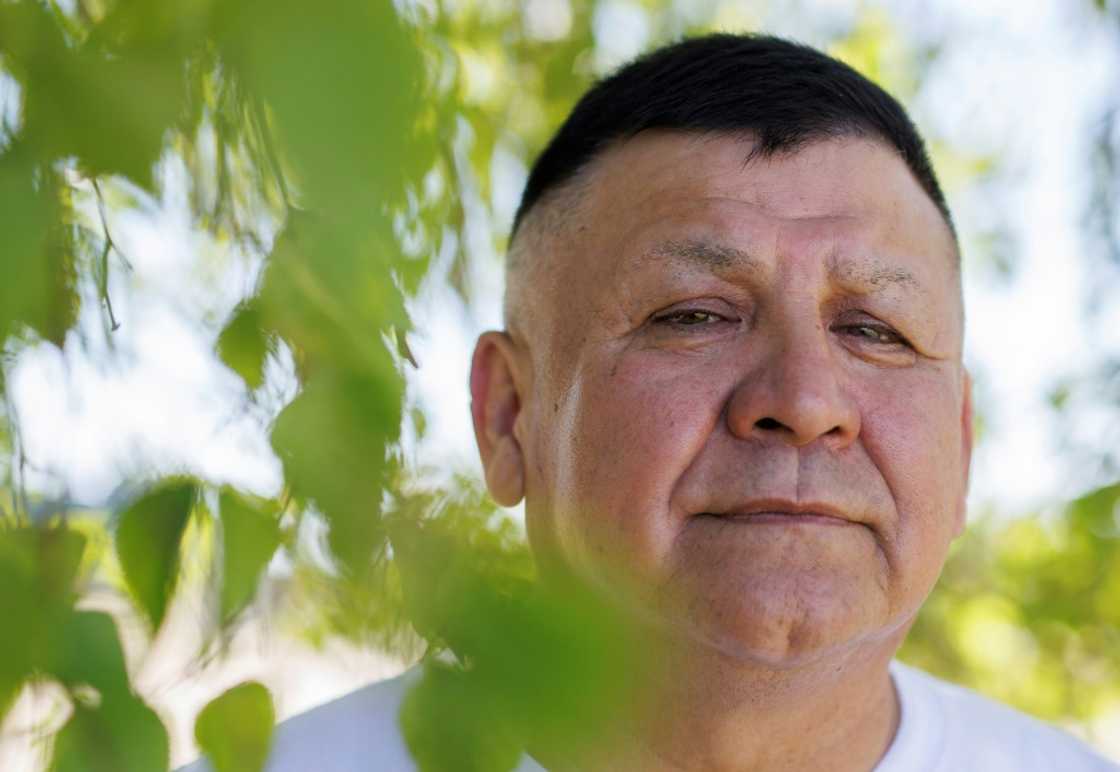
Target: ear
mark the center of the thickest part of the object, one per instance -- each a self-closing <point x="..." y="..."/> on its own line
<point x="966" y="449"/>
<point x="495" y="406"/>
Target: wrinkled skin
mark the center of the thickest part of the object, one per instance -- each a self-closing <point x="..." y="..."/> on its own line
<point x="702" y="338"/>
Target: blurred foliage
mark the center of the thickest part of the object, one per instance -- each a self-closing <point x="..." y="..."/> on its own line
<point x="235" y="729"/>
<point x="148" y="535"/>
<point x="470" y="591"/>
<point x="313" y="119"/>
<point x="1028" y="611"/>
<point x="345" y="142"/>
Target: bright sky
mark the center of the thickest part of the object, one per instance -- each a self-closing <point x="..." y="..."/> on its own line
<point x="1021" y="84"/>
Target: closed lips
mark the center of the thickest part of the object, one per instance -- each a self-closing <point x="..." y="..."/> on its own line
<point x="784" y="517"/>
<point x="781" y="511"/>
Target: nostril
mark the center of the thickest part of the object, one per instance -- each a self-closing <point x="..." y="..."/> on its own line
<point x="768" y="423"/>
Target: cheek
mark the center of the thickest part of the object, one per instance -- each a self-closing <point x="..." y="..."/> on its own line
<point x="624" y="435"/>
<point x="912" y="435"/>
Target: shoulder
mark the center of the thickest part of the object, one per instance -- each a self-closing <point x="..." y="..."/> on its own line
<point x="357" y="731"/>
<point x="945" y="726"/>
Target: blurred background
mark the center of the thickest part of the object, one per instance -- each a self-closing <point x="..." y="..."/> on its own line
<point x="174" y="356"/>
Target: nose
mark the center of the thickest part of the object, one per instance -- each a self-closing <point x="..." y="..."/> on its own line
<point x="794" y="395"/>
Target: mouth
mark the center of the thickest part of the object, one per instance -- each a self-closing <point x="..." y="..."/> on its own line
<point x="780" y="518"/>
<point x="781" y="512"/>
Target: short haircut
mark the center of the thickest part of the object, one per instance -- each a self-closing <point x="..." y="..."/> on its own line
<point x="783" y="94"/>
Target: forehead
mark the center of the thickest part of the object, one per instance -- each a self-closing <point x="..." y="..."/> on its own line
<point x="671" y="200"/>
<point x="842" y="184"/>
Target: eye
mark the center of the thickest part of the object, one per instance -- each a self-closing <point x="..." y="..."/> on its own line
<point x="689" y="317"/>
<point x="875" y="333"/>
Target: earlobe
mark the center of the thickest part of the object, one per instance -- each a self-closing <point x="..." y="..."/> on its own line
<point x="495" y="406"/>
<point x="505" y="473"/>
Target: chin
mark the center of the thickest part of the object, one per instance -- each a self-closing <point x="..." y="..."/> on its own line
<point x="776" y="631"/>
<point x="772" y="646"/>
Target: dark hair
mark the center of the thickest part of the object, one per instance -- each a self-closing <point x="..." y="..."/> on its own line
<point x="784" y="93"/>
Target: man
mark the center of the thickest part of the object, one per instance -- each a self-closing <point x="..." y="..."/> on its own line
<point x="731" y="395"/>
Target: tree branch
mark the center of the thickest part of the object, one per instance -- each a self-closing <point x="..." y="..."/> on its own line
<point x="103" y="284"/>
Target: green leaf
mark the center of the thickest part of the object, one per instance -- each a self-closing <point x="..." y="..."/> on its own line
<point x="1098" y="512"/>
<point x="37" y="571"/>
<point x="343" y="473"/>
<point x="20" y="610"/>
<point x="148" y="537"/>
<point x="450" y="724"/>
<point x="464" y="589"/>
<point x="58" y="553"/>
<point x="36" y="255"/>
<point x="243" y="345"/>
<point x="250" y="536"/>
<point x="328" y="291"/>
<point x="235" y="729"/>
<point x="87" y="650"/>
<point x="105" y="102"/>
<point x="121" y="735"/>
<point x="343" y="110"/>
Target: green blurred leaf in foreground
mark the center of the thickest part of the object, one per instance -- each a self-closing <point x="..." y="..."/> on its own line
<point x="250" y="536"/>
<point x="121" y="735"/>
<point x="243" y="345"/>
<point x="540" y="665"/>
<point x="38" y="567"/>
<point x="450" y="723"/>
<point x="111" y="728"/>
<point x="235" y="729"/>
<point x="36" y="255"/>
<point x="87" y="651"/>
<point x="343" y="472"/>
<point x="148" y="538"/>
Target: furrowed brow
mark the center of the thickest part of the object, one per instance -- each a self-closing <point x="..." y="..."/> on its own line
<point x="703" y="254"/>
<point x="874" y="277"/>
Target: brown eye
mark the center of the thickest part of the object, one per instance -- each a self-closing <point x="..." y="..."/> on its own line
<point x="875" y="334"/>
<point x="690" y="318"/>
<point x="693" y="321"/>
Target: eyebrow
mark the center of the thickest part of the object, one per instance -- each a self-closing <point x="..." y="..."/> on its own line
<point x="866" y="276"/>
<point x="703" y="253"/>
<point x="872" y="276"/>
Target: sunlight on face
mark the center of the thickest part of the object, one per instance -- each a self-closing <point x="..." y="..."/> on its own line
<point x="747" y="401"/>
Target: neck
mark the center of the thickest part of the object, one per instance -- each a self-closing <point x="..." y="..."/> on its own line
<point x="711" y="712"/>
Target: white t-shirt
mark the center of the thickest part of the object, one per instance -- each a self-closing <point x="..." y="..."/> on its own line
<point x="943" y="728"/>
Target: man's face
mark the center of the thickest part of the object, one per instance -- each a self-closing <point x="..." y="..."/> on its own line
<point x="741" y="393"/>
